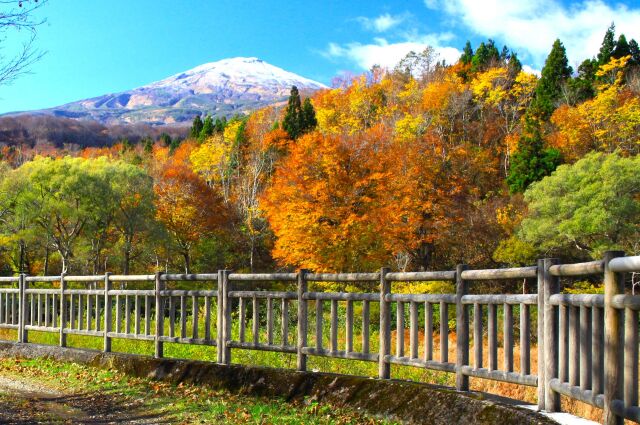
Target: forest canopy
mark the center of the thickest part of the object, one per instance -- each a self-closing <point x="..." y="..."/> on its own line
<point x="418" y="167"/>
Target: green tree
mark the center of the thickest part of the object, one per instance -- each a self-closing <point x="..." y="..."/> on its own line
<point x="132" y="199"/>
<point x="555" y="73"/>
<point x="532" y="161"/>
<point x="196" y="127"/>
<point x="308" y="117"/>
<point x="56" y="198"/>
<point x="587" y="207"/>
<point x="299" y="118"/>
<point x="126" y="144"/>
<point x="148" y="144"/>
<point x="485" y="56"/>
<point x="581" y="87"/>
<point x="174" y="145"/>
<point x="608" y="45"/>
<point x="220" y="125"/>
<point x="622" y="48"/>
<point x="293" y="114"/>
<point x="467" y="54"/>
<point x="165" y="139"/>
<point x="207" y="128"/>
<point x="634" y="50"/>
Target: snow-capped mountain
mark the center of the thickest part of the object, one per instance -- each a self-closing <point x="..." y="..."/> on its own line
<point x="222" y="88"/>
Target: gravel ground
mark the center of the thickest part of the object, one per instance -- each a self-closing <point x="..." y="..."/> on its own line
<point x="26" y="402"/>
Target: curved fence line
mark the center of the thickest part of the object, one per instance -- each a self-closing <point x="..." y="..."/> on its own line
<point x="588" y="345"/>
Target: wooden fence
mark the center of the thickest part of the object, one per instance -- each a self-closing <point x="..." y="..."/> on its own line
<point x="587" y="344"/>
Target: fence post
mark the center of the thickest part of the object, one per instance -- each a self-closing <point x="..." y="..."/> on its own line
<point x="226" y="329"/>
<point x="613" y="340"/>
<point x="551" y="285"/>
<point x="159" y="286"/>
<point x="303" y="320"/>
<point x="462" y="329"/>
<point x="63" y="308"/>
<point x="22" y="332"/>
<point x="540" y="335"/>
<point x="384" y="367"/>
<point x="107" y="312"/>
<point x="220" y="318"/>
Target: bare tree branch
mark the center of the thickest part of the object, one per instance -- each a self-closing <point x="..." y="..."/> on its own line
<point x="18" y="15"/>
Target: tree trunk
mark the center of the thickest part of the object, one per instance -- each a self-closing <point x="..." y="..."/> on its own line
<point x="127" y="261"/>
<point x="21" y="261"/>
<point x="187" y="261"/>
<point x="251" y="255"/>
<point x="46" y="261"/>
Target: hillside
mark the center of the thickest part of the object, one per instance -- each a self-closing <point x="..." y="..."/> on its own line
<point x="32" y="130"/>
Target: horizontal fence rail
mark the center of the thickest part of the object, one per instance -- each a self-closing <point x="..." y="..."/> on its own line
<point x="588" y="344"/>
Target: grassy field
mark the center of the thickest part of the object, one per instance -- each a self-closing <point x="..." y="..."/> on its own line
<point x="94" y="392"/>
<point x="324" y="364"/>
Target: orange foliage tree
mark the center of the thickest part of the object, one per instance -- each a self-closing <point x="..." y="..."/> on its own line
<point x="188" y="208"/>
<point x="353" y="202"/>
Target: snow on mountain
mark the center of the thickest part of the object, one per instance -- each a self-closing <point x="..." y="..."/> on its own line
<point x="223" y="88"/>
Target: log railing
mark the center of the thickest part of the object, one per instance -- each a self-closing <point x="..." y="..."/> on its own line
<point x="588" y="345"/>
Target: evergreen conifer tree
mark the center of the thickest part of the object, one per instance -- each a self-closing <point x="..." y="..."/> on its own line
<point x="308" y="117"/>
<point x="581" y="87"/>
<point x="166" y="139"/>
<point x="608" y="45"/>
<point x="555" y="73"/>
<point x="196" y="127"/>
<point x="485" y="55"/>
<point x="622" y="48"/>
<point x="532" y="161"/>
<point x="174" y="145"/>
<point x="207" y="128"/>
<point x="293" y="115"/>
<point x="634" y="50"/>
<point x="467" y="54"/>
<point x="219" y="125"/>
<point x="148" y="145"/>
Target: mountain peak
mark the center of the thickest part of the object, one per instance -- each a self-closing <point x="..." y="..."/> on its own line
<point x="222" y="88"/>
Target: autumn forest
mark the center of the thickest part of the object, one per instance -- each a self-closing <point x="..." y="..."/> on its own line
<point x="419" y="167"/>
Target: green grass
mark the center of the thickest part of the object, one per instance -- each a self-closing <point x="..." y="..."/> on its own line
<point x="181" y="403"/>
<point x="255" y="357"/>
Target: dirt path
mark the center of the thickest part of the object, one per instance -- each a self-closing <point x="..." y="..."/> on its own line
<point x="27" y="402"/>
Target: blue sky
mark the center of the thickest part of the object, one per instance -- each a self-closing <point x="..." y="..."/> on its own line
<point x="101" y="46"/>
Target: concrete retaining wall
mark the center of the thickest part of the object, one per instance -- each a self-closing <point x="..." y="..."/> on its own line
<point x="398" y="400"/>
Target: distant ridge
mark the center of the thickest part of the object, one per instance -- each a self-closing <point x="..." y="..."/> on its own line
<point x="223" y="88"/>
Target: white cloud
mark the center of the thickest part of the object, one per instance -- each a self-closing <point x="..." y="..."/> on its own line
<point x="532" y="26"/>
<point x="386" y="54"/>
<point x="530" y="70"/>
<point x="383" y="22"/>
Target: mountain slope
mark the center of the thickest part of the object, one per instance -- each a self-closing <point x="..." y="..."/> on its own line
<point x="222" y="88"/>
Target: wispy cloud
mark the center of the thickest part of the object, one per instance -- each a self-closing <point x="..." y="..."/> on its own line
<point x="532" y="26"/>
<point x="383" y="22"/>
<point x="387" y="54"/>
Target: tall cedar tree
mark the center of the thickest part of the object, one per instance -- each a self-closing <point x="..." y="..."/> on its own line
<point x="196" y="127"/>
<point x="298" y="119"/>
<point x="309" y="121"/>
<point x="207" y="128"/>
<point x="485" y="56"/>
<point x="532" y="161"/>
<point x="467" y="54"/>
<point x="634" y="50"/>
<point x="622" y="48"/>
<point x="608" y="45"/>
<point x="165" y="139"/>
<point x="555" y="73"/>
<point x="291" y="121"/>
